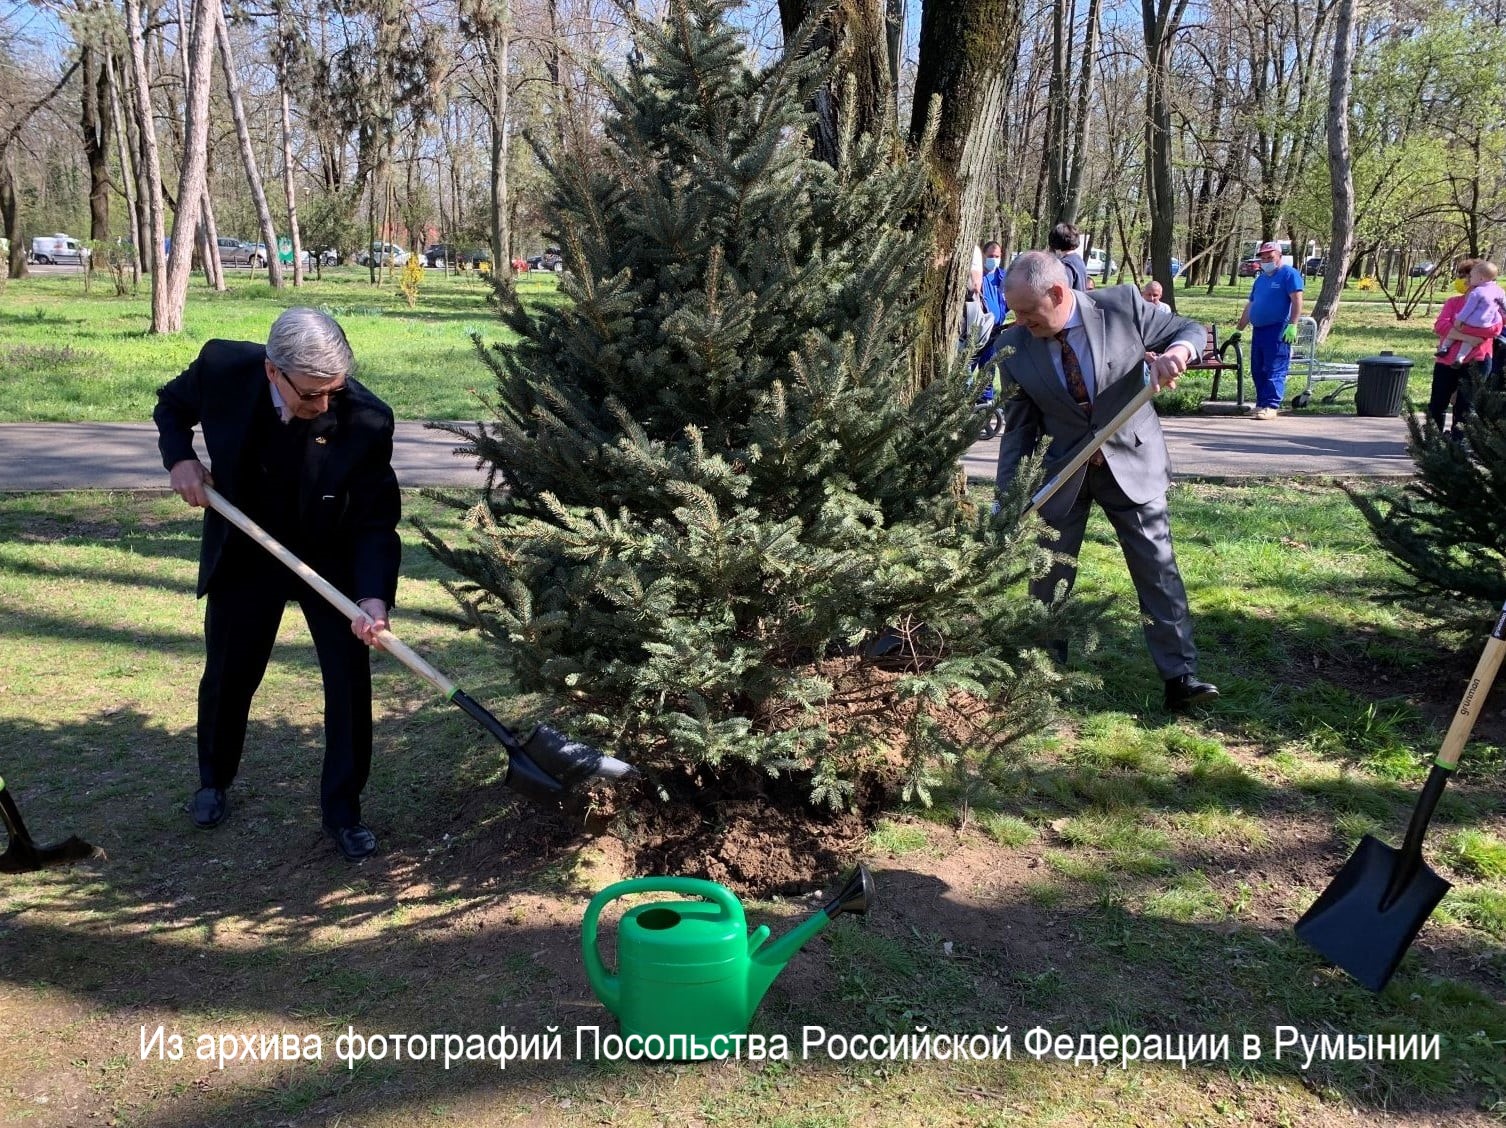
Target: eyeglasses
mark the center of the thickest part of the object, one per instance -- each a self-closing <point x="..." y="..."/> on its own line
<point x="309" y="397"/>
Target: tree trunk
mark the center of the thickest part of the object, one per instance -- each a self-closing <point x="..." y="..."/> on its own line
<point x="10" y="215"/>
<point x="1056" y="115"/>
<point x="500" y="38"/>
<point x="127" y="173"/>
<point x="856" y="36"/>
<point x="285" y="121"/>
<point x="1072" y="200"/>
<point x="146" y="132"/>
<point x="96" y="96"/>
<point x="248" y="154"/>
<point x="961" y="79"/>
<point x="1340" y="172"/>
<point x="1161" y="19"/>
<point x="214" y="266"/>
<point x="191" y="182"/>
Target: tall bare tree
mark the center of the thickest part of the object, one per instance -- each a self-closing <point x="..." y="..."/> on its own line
<point x="191" y="179"/>
<point x="1160" y="21"/>
<point x="146" y="134"/>
<point x="281" y="49"/>
<point x="248" y="153"/>
<point x="1340" y="170"/>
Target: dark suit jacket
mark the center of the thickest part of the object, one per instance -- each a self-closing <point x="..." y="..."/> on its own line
<point x="1121" y="325"/>
<point x="348" y="501"/>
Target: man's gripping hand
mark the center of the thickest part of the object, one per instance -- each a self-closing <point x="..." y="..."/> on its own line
<point x="1167" y="368"/>
<point x="369" y="628"/>
<point x="188" y="479"/>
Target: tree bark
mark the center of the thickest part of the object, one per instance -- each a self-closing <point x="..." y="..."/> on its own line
<point x="1160" y="20"/>
<point x="856" y="35"/>
<point x="1072" y="200"/>
<point x="961" y="78"/>
<point x="146" y="131"/>
<point x="498" y="45"/>
<point x="248" y="154"/>
<point x="1340" y="172"/>
<point x="214" y="266"/>
<point x="288" y="191"/>
<point x="10" y="215"/>
<point x="191" y="182"/>
<point x="127" y="173"/>
<point x="96" y="96"/>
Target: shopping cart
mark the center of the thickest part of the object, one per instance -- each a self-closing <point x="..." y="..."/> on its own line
<point x="1305" y="362"/>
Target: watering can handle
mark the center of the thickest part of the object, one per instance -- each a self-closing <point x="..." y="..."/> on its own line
<point x="691" y="886"/>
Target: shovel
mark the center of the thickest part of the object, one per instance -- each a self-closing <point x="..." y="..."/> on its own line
<point x="544" y="766"/>
<point x="1090" y="448"/>
<point x="22" y="855"/>
<point x="1368" y="917"/>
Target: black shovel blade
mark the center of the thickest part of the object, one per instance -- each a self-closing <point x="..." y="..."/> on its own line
<point x="1363" y="926"/>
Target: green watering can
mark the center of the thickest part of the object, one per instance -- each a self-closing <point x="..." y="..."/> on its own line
<point x="690" y="968"/>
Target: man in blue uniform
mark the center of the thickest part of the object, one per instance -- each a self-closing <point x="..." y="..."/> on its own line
<point x="1273" y="309"/>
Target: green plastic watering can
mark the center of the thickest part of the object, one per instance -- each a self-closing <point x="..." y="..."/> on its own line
<point x="690" y="968"/>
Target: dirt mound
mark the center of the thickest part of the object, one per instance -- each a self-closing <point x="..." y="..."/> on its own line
<point x="755" y="835"/>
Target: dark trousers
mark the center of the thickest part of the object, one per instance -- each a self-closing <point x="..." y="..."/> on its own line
<point x="1458" y="384"/>
<point x="1144" y="533"/>
<point x="241" y="618"/>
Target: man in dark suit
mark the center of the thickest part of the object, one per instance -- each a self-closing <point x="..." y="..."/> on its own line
<point x="1076" y="359"/>
<point x="306" y="451"/>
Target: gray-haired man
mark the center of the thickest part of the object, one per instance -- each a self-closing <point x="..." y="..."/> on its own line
<point x="1076" y="359"/>
<point x="306" y="451"/>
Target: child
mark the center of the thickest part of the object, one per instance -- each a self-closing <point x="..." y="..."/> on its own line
<point x="1483" y="308"/>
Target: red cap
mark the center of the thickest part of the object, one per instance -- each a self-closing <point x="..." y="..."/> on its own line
<point x="1269" y="246"/>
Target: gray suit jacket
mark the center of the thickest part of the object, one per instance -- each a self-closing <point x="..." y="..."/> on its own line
<point x="1121" y="326"/>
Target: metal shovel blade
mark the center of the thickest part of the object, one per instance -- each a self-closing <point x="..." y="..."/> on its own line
<point x="1361" y="923"/>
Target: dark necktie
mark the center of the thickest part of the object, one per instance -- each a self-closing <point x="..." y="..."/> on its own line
<point x="1072" y="370"/>
<point x="1077" y="387"/>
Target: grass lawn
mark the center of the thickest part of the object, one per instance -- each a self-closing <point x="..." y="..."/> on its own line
<point x="68" y="356"/>
<point x="1129" y="874"/>
<point x="65" y="356"/>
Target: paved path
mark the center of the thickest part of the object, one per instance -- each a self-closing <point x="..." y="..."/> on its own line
<point x="122" y="456"/>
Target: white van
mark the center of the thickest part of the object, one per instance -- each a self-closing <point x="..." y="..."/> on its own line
<point x="59" y="250"/>
<point x="1098" y="263"/>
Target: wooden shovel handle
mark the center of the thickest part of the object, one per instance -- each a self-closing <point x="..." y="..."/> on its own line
<point x="1474" y="696"/>
<point x="347" y="606"/>
<point x="1091" y="447"/>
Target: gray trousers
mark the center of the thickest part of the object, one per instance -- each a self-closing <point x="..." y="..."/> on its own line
<point x="1144" y="533"/>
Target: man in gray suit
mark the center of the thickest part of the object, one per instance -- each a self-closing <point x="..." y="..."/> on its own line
<point x="1075" y="359"/>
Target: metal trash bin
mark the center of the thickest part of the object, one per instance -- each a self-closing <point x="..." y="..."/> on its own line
<point x="1381" y="384"/>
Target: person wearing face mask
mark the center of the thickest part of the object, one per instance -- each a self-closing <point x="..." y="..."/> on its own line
<point x="1272" y="312"/>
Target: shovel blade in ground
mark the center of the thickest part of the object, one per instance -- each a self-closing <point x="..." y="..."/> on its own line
<point x="1369" y="915"/>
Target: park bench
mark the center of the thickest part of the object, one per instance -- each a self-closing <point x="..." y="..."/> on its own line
<point x="1305" y="363"/>
<point x="1218" y="359"/>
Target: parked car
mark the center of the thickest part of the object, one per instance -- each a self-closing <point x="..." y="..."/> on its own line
<point x="1422" y="270"/>
<point x="1098" y="263"/>
<point x="58" y="250"/>
<point x="438" y="254"/>
<point x="383" y="254"/>
<point x="1176" y="267"/>
<point x="551" y="259"/>
<point x="1249" y="268"/>
<point x="1314" y="266"/>
<point x="237" y="252"/>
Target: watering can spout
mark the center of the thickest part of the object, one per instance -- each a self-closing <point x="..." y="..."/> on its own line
<point x="764" y="963"/>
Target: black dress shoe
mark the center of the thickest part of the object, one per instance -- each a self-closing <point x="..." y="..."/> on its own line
<point x="208" y="807"/>
<point x="355" y="842"/>
<point x="1188" y="690"/>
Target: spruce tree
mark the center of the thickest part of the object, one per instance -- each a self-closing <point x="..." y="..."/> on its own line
<point x="1447" y="526"/>
<point x="724" y="524"/>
